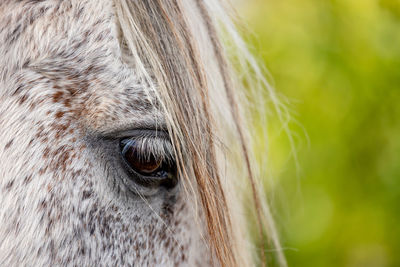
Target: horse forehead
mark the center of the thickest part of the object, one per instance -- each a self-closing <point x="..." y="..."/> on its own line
<point x="48" y="26"/>
<point x="72" y="48"/>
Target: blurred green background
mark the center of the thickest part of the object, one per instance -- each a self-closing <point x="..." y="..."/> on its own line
<point x="338" y="62"/>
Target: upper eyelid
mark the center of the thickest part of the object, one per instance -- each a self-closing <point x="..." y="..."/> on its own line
<point x="123" y="130"/>
<point x="138" y="133"/>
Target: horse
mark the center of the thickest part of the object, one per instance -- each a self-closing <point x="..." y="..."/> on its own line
<point x="124" y="135"/>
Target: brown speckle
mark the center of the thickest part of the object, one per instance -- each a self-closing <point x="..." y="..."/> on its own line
<point x="7" y="146"/>
<point x="9" y="185"/>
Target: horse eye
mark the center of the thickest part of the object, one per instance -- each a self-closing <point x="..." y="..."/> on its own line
<point x="145" y="165"/>
<point x="151" y="171"/>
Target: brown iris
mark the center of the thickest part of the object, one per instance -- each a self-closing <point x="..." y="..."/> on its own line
<point x="144" y="163"/>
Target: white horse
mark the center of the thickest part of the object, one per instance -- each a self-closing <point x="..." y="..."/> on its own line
<point x="122" y="141"/>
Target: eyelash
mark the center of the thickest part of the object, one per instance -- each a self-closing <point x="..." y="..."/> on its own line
<point x="151" y="146"/>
